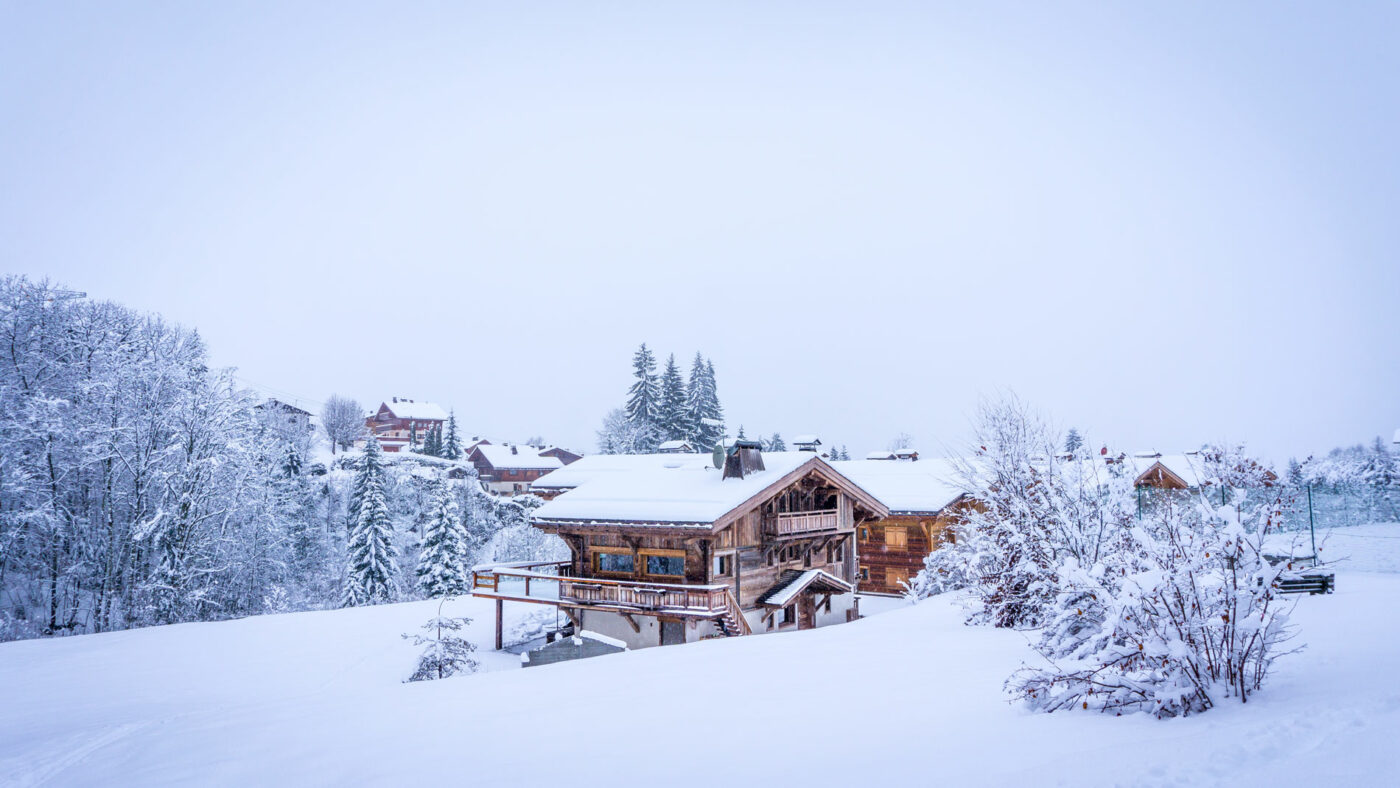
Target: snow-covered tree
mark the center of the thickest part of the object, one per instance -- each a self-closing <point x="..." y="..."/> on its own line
<point x="775" y="443"/>
<point x="1176" y="613"/>
<point x="619" y="435"/>
<point x="343" y="421"/>
<point x="644" y="397"/>
<point x="1073" y="442"/>
<point x="445" y="653"/>
<point x="704" y="416"/>
<point x="673" y="420"/>
<point x="371" y="576"/>
<point x="442" y="568"/>
<point x="452" y="441"/>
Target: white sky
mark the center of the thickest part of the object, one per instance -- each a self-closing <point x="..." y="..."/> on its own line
<point x="1162" y="225"/>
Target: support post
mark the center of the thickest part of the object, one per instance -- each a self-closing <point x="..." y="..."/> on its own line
<point x="500" y="641"/>
<point x="1312" y="530"/>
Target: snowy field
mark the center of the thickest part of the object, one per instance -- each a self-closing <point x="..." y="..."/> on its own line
<point x="906" y="696"/>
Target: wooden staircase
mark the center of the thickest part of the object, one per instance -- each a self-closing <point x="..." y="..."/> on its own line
<point x="732" y="622"/>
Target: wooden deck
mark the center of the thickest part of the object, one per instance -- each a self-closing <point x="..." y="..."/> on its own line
<point x="800" y="523"/>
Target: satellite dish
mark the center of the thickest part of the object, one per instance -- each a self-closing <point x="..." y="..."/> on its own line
<point x="718" y="455"/>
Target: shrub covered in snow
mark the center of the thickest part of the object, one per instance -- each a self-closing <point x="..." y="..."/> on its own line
<point x="1177" y="612"/>
<point x="445" y="653"/>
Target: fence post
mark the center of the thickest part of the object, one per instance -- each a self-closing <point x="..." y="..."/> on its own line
<point x="1312" y="530"/>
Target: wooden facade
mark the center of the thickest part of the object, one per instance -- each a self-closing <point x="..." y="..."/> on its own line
<point x="892" y="551"/>
<point x="398" y="423"/>
<point x="798" y="530"/>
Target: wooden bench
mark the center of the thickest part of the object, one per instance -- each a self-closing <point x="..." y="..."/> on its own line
<point x="1307" y="584"/>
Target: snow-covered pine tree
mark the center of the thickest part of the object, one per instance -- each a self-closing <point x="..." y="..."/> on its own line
<point x="741" y="436"/>
<point x="776" y="443"/>
<point x="704" y="415"/>
<point x="442" y="569"/>
<point x="445" y="653"/>
<point x="370" y="576"/>
<point x="644" y="397"/>
<point x="673" y="422"/>
<point x="713" y="410"/>
<point x="452" y="441"/>
<point x="1073" y="442"/>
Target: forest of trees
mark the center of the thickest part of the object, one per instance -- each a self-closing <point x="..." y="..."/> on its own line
<point x="665" y="406"/>
<point x="140" y="486"/>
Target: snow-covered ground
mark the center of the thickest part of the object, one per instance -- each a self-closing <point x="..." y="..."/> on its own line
<point x="907" y="696"/>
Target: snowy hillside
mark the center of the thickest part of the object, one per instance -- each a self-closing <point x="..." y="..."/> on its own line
<point x="908" y="695"/>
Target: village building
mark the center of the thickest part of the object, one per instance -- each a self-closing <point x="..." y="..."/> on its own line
<point x="665" y="555"/>
<point x="285" y="418"/>
<point x="807" y="442"/>
<point x="676" y="447"/>
<point x="509" y="469"/>
<point x="924" y="501"/>
<point x="401" y="423"/>
<point x="561" y="454"/>
<point x="594" y="466"/>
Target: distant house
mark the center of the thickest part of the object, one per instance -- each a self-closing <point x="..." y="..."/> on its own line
<point x="807" y="442"/>
<point x="285" y="418"/>
<point x="667" y="555"/>
<point x="509" y="469"/>
<point x="596" y="466"/>
<point x="401" y="422"/>
<point x="561" y="454"/>
<point x="908" y="455"/>
<point x="924" y="502"/>
<point x="676" y="447"/>
<point x="881" y="455"/>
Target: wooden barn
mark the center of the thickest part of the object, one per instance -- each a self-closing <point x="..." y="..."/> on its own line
<point x="399" y="422"/>
<point x="664" y="555"/>
<point x="923" y="502"/>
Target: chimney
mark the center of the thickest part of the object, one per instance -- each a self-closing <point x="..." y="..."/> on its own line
<point x="395" y="399"/>
<point x="514" y="450"/>
<point x="742" y="459"/>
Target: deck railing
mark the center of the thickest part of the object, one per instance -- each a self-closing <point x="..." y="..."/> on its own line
<point x="801" y="522"/>
<point x="549" y="582"/>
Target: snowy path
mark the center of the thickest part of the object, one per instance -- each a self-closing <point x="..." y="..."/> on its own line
<point x="316" y="698"/>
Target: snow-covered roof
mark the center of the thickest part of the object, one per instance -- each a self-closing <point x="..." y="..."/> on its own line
<point x="790" y="585"/>
<point x="426" y="411"/>
<point x="596" y="465"/>
<point x="674" y="445"/>
<point x="880" y="455"/>
<point x="517" y="457"/>
<point x="923" y="487"/>
<point x="1187" y="467"/>
<point x="807" y="438"/>
<point x="683" y="495"/>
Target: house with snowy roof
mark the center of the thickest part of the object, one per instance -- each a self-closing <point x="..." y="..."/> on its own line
<point x="924" y="499"/>
<point x="673" y="553"/>
<point x="402" y="422"/>
<point x="510" y="469"/>
<point x="593" y="466"/>
<point x="676" y="447"/>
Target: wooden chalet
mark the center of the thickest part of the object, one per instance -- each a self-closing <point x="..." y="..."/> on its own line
<point x="676" y="447"/>
<point x="664" y="555"/>
<point x="284" y="418"/>
<point x="923" y="501"/>
<point x="400" y="422"/>
<point x="596" y="466"/>
<point x="509" y="469"/>
<point x="561" y="454"/>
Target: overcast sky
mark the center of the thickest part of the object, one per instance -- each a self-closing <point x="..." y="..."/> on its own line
<point x="1162" y="225"/>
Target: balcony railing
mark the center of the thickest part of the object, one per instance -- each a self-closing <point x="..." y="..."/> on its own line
<point x="793" y="523"/>
<point x="549" y="583"/>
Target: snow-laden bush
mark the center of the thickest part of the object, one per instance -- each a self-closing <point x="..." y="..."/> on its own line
<point x="1177" y="612"/>
<point x="1033" y="509"/>
<point x="445" y="654"/>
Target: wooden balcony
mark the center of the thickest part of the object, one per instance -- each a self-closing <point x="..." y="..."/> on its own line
<point x="798" y="523"/>
<point x="549" y="583"/>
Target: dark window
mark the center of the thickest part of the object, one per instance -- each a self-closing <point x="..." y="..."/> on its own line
<point x="789" y="615"/>
<point x="619" y="563"/>
<point x="665" y="565"/>
<point x="864" y="533"/>
<point x="724" y="565"/>
<point x="865" y="574"/>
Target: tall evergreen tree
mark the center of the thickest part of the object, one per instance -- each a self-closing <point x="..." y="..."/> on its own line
<point x="673" y="422"/>
<point x="370" y="567"/>
<point x="776" y="443"/>
<point x="452" y="442"/>
<point x="442" y="569"/>
<point x="1073" y="442"/>
<point x="741" y="436"/>
<point x="644" y="397"/>
<point x="704" y="415"/>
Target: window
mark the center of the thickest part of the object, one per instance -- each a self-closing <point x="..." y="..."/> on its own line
<point x="724" y="565"/>
<point x="865" y="573"/>
<point x="864" y="534"/>
<point x="895" y="577"/>
<point x="896" y="537"/>
<point x="789" y="616"/>
<point x="613" y="563"/>
<point x="838" y="553"/>
<point x="667" y="564"/>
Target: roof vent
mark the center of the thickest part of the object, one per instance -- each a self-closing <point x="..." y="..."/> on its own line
<point x="742" y="459"/>
<point x="514" y="450"/>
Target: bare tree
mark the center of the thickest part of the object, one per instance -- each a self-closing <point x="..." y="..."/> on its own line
<point x="902" y="441"/>
<point x="343" y="421"/>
